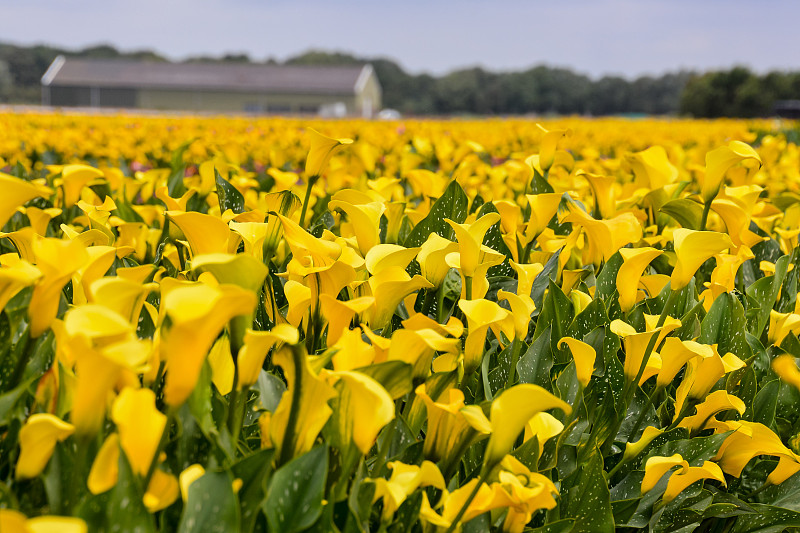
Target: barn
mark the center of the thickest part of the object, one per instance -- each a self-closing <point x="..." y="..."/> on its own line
<point x="351" y="90"/>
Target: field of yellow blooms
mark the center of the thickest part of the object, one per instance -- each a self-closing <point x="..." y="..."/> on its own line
<point x="275" y="325"/>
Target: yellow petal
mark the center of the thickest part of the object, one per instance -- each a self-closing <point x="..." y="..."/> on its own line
<point x="16" y="192"/>
<point x="256" y="346"/>
<point x="681" y="480"/>
<point x="786" y="367"/>
<point x="656" y="467"/>
<point x="720" y="160"/>
<point x="162" y="491"/>
<point x="55" y="524"/>
<point x="105" y="468"/>
<point x="584" y="356"/>
<point x="322" y="148"/>
<point x="189" y="476"/>
<point x="140" y="426"/>
<point x="510" y="411"/>
<point x="635" y="261"/>
<point x="362" y="408"/>
<point x="37" y="440"/>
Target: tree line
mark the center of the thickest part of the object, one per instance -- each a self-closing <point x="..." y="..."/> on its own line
<point x="737" y="92"/>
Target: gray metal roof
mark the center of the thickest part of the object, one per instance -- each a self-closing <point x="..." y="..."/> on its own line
<point x="207" y="76"/>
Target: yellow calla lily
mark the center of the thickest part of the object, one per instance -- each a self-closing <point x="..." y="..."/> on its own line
<point x="389" y="287"/>
<point x="692" y="249"/>
<point x="16" y="192"/>
<point x="636" y="344"/>
<point x="605" y="237"/>
<point x="543" y="208"/>
<point x="256" y="346"/>
<point x="417" y="348"/>
<point x="750" y="440"/>
<point x="340" y="313"/>
<point x="16" y="522"/>
<point x="702" y="373"/>
<point x="522" y="307"/>
<point x="653" y="168"/>
<point x="675" y="354"/>
<point x="405" y="479"/>
<point x="470" y="238"/>
<point x="544" y="427"/>
<point x="481" y="316"/>
<point x="206" y="234"/>
<point x="584" y="356"/>
<point x="57" y="260"/>
<point x="781" y="324"/>
<point x="526" y="275"/>
<point x="716" y="402"/>
<point x="786" y="367"/>
<point x="37" y="441"/>
<point x="161" y="492"/>
<point x="382" y="256"/>
<point x="196" y="313"/>
<point x="656" y="467"/>
<point x="452" y="425"/>
<point x="719" y="161"/>
<point x="632" y="449"/>
<point x="189" y="476"/>
<point x="322" y="149"/>
<point x="547" y="151"/>
<point x="140" y="426"/>
<point x="104" y="473"/>
<point x="604" y="193"/>
<point x="510" y="411"/>
<point x="364" y="215"/>
<point x="15" y="278"/>
<point x="361" y="409"/>
<point x="635" y="261"/>
<point x="307" y="396"/>
<point x="73" y="179"/>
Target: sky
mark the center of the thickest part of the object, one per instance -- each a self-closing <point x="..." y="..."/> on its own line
<point x="594" y="37"/>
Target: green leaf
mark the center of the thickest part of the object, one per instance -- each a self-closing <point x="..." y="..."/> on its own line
<point x="294" y="498"/>
<point x="395" y="376"/>
<point x="9" y="401"/>
<point x="211" y="506"/>
<point x="542" y="281"/>
<point x="452" y="204"/>
<point x="252" y="470"/>
<point x="229" y="196"/>
<point x="126" y="510"/>
<point x="725" y="325"/>
<point x="559" y="526"/>
<point x="494" y="240"/>
<point x="557" y="313"/>
<point x="686" y="212"/>
<point x="535" y="364"/>
<point x="764" y="293"/>
<point x="606" y="283"/>
<point x="768" y="520"/>
<point x="270" y="390"/>
<point x="586" y="497"/>
<point x="765" y="403"/>
<point x="695" y="451"/>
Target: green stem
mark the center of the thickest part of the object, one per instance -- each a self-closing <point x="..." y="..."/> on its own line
<point x="287" y="446"/>
<point x="704" y="218"/>
<point x="311" y="181"/>
<point x="460" y="515"/>
<point x="468" y="287"/>
<point x="516" y="347"/>
<point x="430" y="296"/>
<point x="236" y="408"/>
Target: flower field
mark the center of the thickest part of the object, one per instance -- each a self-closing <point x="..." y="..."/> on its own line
<point x="220" y="324"/>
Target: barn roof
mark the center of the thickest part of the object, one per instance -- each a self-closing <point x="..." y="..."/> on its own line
<point x="207" y="76"/>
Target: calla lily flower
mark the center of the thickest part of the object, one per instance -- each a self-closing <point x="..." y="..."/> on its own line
<point x="140" y="425"/>
<point x="584" y="356"/>
<point x="361" y="409"/>
<point x="470" y="239"/>
<point x="635" y="261"/>
<point x="652" y="167"/>
<point x="605" y="204"/>
<point x="206" y="234"/>
<point x="16" y="192"/>
<point x="636" y="343"/>
<point x="737" y="222"/>
<point x="632" y="449"/>
<point x="716" y="402"/>
<point x="405" y="479"/>
<point x="15" y="278"/>
<point x="104" y="473"/>
<point x="750" y="440"/>
<point x="57" y="260"/>
<point x="656" y="467"/>
<point x="15" y="522"/>
<point x="256" y="346"/>
<point x="162" y="491"/>
<point x="382" y="256"/>
<point x="123" y="296"/>
<point x="321" y="151"/>
<point x="417" y="348"/>
<point x="522" y="307"/>
<point x="526" y="275"/>
<point x="675" y="354"/>
<point x="307" y="397"/>
<point x="37" y="441"/>
<point x="693" y="248"/>
<point x="719" y="161"/>
<point x="701" y="374"/>
<point x="605" y="237"/>
<point x="340" y="313"/>
<point x="781" y="324"/>
<point x="196" y="314"/>
<point x="189" y="476"/>
<point x="364" y="214"/>
<point x="481" y="316"/>
<point x="389" y="287"/>
<point x="23" y="242"/>
<point x="452" y="425"/>
<point x="547" y="151"/>
<point x="786" y="367"/>
<point x="544" y="427"/>
<point x="73" y="179"/>
<point x="351" y="351"/>
<point x="543" y="208"/>
<point x="510" y="411"/>
<point x="526" y="492"/>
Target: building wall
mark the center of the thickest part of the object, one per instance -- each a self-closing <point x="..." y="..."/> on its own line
<point x="368" y="101"/>
<point x="241" y="102"/>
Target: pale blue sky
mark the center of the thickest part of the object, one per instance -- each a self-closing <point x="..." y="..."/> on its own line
<point x="597" y="37"/>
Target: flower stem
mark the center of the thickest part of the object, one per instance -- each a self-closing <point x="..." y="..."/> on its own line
<point x="704" y="217"/>
<point x="287" y="446"/>
<point x="311" y="181"/>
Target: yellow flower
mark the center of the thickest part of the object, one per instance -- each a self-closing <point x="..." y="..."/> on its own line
<point x="481" y="316"/>
<point x="256" y="346"/>
<point x="584" y="356"/>
<point x="751" y="439"/>
<point x="417" y="348"/>
<point x="702" y="373"/>
<point x="652" y="167"/>
<point x="389" y="287"/>
<point x="470" y="239"/>
<point x="544" y="427"/>
<point x="105" y="468"/>
<point x="196" y="314"/>
<point x="206" y="234"/>
<point x="15" y="522"/>
<point x="73" y="178"/>
<point x="510" y="411"/>
<point x="786" y="367"/>
<point x="716" y="402"/>
<point x="189" y="476"/>
<point x="605" y="237"/>
<point x="636" y="343"/>
<point x="693" y="248"/>
<point x="364" y="214"/>
<point x="361" y="409"/>
<point x="405" y="479"/>
<point x="547" y="152"/>
<point x="161" y="492"/>
<point x="635" y="261"/>
<point x="140" y="426"/>
<point x="14" y="278"/>
<point x="543" y="209"/>
<point x="452" y="425"/>
<point x="632" y="449"/>
<point x="719" y="161"/>
<point x="37" y="441"/>
<point x="322" y="148"/>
